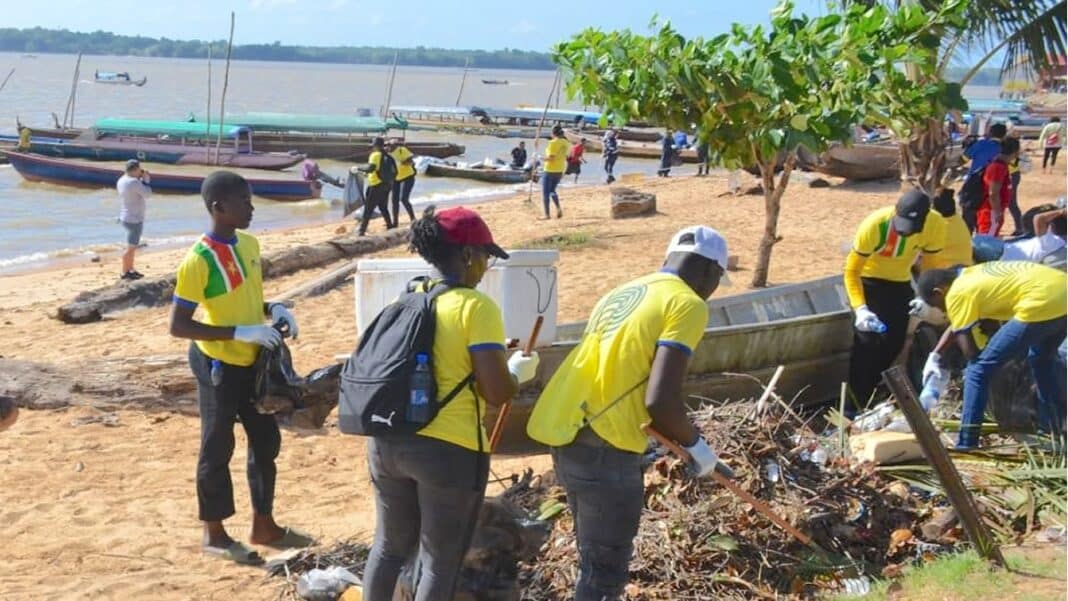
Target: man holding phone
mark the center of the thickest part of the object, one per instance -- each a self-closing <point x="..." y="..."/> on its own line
<point x="134" y="190"/>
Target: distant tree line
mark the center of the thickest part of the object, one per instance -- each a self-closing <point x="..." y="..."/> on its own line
<point x="40" y="40"/>
<point x="991" y="76"/>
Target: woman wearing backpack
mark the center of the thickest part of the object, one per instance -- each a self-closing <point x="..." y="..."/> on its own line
<point x="429" y="486"/>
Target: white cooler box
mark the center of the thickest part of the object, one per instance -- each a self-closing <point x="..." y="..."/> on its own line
<point x="524" y="287"/>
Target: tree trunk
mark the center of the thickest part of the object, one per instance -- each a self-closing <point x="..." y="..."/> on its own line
<point x="772" y="204"/>
<point x="923" y="157"/>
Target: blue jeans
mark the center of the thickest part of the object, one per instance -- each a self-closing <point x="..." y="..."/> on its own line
<point x="549" y="181"/>
<point x="1039" y="341"/>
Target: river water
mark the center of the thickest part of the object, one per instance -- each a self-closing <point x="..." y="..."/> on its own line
<point x="41" y="222"/>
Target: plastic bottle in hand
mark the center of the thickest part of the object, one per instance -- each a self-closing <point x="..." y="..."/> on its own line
<point x="929" y="395"/>
<point x="421" y="383"/>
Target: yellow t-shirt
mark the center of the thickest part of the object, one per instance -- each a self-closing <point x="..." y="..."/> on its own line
<point x="223" y="277"/>
<point x="375" y="159"/>
<point x="1004" y="290"/>
<point x="958" y="248"/>
<point x="556" y="156"/>
<point x="613" y="361"/>
<point x="465" y="320"/>
<point x="404" y="170"/>
<point x="890" y="255"/>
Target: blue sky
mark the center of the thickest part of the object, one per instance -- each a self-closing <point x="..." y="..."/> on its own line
<point x="466" y="24"/>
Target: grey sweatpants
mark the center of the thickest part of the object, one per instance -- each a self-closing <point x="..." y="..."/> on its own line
<point x="427" y="494"/>
<point x="605" y="493"/>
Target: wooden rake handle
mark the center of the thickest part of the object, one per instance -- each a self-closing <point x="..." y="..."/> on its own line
<point x="502" y="415"/>
<point x="723" y="481"/>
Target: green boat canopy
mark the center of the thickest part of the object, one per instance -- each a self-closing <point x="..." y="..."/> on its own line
<point x="282" y="122"/>
<point x="174" y="129"/>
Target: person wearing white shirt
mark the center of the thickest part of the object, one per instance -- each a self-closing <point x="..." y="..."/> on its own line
<point x="1049" y="237"/>
<point x="133" y="188"/>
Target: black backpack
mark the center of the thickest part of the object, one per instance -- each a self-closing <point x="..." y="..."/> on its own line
<point x="971" y="191"/>
<point x="375" y="382"/>
<point x="387" y="169"/>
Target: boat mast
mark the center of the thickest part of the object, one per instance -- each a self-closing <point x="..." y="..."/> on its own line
<point x="389" y="87"/>
<point x="537" y="134"/>
<point x="207" y="112"/>
<point x="226" y="83"/>
<point x="69" y="112"/>
<point x="12" y="72"/>
<point x="463" y="80"/>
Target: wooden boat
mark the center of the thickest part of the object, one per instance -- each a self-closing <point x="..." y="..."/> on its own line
<point x="478" y="172"/>
<point x="468" y="120"/>
<point x="627" y="133"/>
<point x="118" y="79"/>
<point x="84" y="174"/>
<point x="495" y="82"/>
<point x="644" y="150"/>
<point x="153" y="152"/>
<point x="261" y="122"/>
<point x="806" y="327"/>
<point x="861" y="162"/>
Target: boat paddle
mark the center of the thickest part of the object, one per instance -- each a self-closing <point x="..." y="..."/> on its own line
<point x="502" y="414"/>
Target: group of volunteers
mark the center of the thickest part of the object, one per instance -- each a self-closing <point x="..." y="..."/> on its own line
<point x="626" y="372"/>
<point x="1010" y="306"/>
<point x="390" y="172"/>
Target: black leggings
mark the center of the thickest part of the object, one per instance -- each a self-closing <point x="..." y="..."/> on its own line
<point x="1050" y="155"/>
<point x="402" y="192"/>
<point x="377" y="198"/>
<point x="873" y="352"/>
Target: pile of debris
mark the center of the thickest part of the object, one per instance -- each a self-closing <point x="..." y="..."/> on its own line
<point x="698" y="541"/>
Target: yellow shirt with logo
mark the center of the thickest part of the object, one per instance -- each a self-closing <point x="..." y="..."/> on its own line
<point x="375" y="159"/>
<point x="224" y="279"/>
<point x="1004" y="290"/>
<point x="404" y="170"/>
<point x="465" y="320"/>
<point x="891" y="255"/>
<point x="958" y="248"/>
<point x="556" y="156"/>
<point x="613" y="361"/>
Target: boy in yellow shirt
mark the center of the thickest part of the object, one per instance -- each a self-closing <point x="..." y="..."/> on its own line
<point x="1032" y="300"/>
<point x="553" y="170"/>
<point x="221" y="274"/>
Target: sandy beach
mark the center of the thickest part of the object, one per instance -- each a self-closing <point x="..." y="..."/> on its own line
<point x="108" y="510"/>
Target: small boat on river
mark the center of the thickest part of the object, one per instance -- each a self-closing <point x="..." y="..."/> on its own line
<point x="501" y="174"/>
<point x="118" y="79"/>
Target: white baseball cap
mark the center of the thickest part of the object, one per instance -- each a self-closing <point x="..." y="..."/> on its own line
<point x="704" y="241"/>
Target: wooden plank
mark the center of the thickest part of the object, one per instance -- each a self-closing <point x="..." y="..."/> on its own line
<point x="947" y="473"/>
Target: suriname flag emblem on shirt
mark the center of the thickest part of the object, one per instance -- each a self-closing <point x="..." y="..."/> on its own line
<point x="891" y="244"/>
<point x="225" y="269"/>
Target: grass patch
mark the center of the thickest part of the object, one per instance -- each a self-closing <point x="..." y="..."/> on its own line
<point x="967" y="577"/>
<point x="559" y="241"/>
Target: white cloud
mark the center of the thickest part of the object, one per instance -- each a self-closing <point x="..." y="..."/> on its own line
<point x="523" y="27"/>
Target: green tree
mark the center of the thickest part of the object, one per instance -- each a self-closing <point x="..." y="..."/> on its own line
<point x="757" y="94"/>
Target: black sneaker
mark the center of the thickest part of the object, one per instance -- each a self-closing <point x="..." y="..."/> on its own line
<point x="137" y="274"/>
<point x="129" y="276"/>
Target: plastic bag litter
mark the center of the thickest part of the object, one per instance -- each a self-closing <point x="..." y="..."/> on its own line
<point x="325" y="585"/>
<point x="281" y="391"/>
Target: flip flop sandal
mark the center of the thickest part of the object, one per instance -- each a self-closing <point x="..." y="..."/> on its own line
<point x="237" y="553"/>
<point x="292" y="539"/>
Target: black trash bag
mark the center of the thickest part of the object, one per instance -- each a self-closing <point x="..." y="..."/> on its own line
<point x="301" y="403"/>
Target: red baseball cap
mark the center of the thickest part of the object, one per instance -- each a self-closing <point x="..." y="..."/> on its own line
<point x="464" y="226"/>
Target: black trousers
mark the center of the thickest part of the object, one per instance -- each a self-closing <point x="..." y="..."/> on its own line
<point x="377" y="198"/>
<point x="872" y="352"/>
<point x="402" y="192"/>
<point x="220" y="407"/>
<point x="1050" y="155"/>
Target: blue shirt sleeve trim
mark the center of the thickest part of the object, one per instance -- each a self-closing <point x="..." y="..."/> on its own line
<point x="181" y="302"/>
<point x="675" y="345"/>
<point x="486" y="346"/>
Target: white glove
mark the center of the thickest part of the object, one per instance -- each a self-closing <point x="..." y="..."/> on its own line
<point x="704" y="458"/>
<point x="263" y="335"/>
<point x="524" y="368"/>
<point x="933" y="369"/>
<point x="925" y="312"/>
<point x="279" y="311"/>
<point x="866" y="321"/>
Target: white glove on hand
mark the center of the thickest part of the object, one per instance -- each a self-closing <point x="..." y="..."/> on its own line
<point x="866" y="321"/>
<point x="279" y="311"/>
<point x="933" y="369"/>
<point x="265" y="336"/>
<point x="704" y="458"/>
<point x="925" y="312"/>
<point x="524" y="368"/>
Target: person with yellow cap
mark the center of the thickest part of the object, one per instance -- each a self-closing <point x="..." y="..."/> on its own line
<point x="627" y="370"/>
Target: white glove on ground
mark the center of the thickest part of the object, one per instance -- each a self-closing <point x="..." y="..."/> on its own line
<point x="523" y="368"/>
<point x="704" y="458"/>
<point x="866" y="321"/>
<point x="279" y="311"/>
<point x="933" y="369"/>
<point x="263" y="335"/>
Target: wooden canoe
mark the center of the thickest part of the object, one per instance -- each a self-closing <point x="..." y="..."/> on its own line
<point x="627" y="134"/>
<point x="153" y="152"/>
<point x="644" y="150"/>
<point x="494" y="176"/>
<point x="861" y="162"/>
<point x="86" y="174"/>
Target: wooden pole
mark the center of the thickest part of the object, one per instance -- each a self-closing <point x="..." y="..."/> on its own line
<point x="12" y="72"/>
<point x="226" y="83"/>
<point x="207" y="113"/>
<point x="463" y="80"/>
<point x="69" y="113"/>
<point x="502" y="415"/>
<point x="537" y="134"/>
<point x="389" y="88"/>
<point x="963" y="503"/>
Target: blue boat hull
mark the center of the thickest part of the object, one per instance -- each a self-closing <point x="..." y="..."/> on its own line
<point x="97" y="153"/>
<point x="57" y="171"/>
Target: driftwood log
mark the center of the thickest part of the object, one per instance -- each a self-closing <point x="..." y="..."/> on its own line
<point x="91" y="306"/>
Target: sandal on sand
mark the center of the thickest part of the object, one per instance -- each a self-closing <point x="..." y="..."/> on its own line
<point x="237" y="553"/>
<point x="292" y="539"/>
